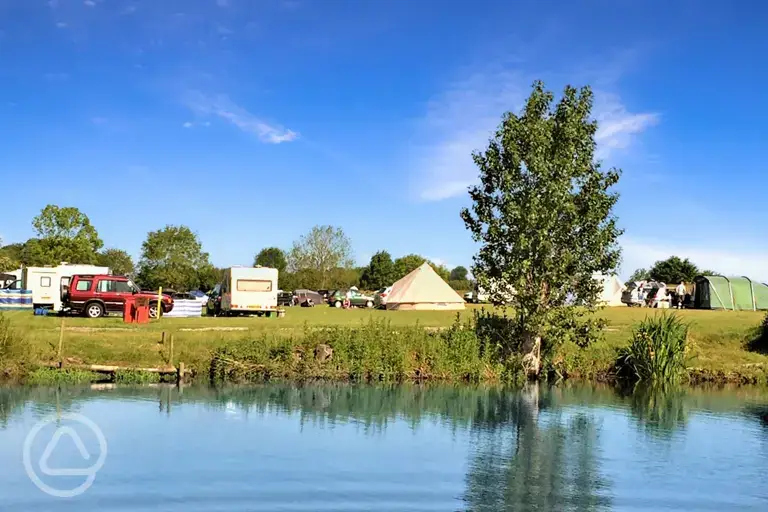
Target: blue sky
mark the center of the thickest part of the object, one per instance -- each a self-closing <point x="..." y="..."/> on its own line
<point x="253" y="120"/>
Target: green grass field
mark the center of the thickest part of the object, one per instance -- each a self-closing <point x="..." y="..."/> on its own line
<point x="718" y="338"/>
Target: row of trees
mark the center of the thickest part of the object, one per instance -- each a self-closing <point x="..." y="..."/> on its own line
<point x="173" y="257"/>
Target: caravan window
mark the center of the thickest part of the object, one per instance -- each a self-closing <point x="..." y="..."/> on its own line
<point x="253" y="285"/>
<point x="45" y="282"/>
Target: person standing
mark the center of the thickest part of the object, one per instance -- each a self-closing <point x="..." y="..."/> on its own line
<point x="680" y="291"/>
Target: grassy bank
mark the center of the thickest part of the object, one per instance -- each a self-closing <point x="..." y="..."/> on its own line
<point x="369" y="344"/>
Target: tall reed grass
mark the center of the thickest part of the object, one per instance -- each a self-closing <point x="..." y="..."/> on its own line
<point x="657" y="351"/>
<point x="15" y="352"/>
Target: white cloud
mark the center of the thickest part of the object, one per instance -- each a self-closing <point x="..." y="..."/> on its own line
<point x="221" y="106"/>
<point x="61" y="24"/>
<point x="90" y="3"/>
<point x="462" y="118"/>
<point x="723" y="257"/>
<point x="187" y="125"/>
<point x="222" y="3"/>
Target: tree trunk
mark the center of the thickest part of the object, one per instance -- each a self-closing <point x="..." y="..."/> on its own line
<point x="531" y="350"/>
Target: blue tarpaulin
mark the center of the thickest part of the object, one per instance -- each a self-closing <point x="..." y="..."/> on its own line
<point x="15" y="299"/>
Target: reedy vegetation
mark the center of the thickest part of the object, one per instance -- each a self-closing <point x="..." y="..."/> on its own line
<point x="657" y="352"/>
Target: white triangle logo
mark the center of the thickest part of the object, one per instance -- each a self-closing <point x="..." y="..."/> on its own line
<point x="53" y="443"/>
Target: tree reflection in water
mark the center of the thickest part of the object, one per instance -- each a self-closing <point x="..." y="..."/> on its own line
<point x="531" y="458"/>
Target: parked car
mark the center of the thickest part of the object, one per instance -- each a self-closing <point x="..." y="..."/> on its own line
<point x="95" y="295"/>
<point x="380" y="297"/>
<point x="284" y="298"/>
<point x="307" y="298"/>
<point x="325" y="294"/>
<point x="356" y="299"/>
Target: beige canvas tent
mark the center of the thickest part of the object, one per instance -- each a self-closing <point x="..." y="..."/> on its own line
<point x="612" y="289"/>
<point x="423" y="289"/>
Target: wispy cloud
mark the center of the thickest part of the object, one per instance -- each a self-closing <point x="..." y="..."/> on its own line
<point x="222" y="107"/>
<point x="187" y="125"/>
<point x="463" y="117"/>
<point x="222" y="3"/>
<point x="739" y="260"/>
<point x="89" y="3"/>
<point x="61" y="24"/>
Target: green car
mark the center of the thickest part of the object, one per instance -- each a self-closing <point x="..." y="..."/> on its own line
<point x="356" y="299"/>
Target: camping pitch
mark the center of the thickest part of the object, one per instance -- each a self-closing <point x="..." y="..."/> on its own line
<point x="423" y="289"/>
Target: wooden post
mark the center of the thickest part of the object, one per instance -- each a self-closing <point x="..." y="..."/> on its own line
<point x="61" y="342"/>
<point x="159" y="308"/>
<point x="181" y="372"/>
<point x="170" y="352"/>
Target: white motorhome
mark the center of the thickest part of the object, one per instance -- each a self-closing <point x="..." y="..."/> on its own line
<point x="49" y="284"/>
<point x="249" y="290"/>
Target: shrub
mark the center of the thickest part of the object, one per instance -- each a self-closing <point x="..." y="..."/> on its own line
<point x="657" y="351"/>
<point x="760" y="342"/>
<point x="15" y="353"/>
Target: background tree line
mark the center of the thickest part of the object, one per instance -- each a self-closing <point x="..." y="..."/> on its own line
<point x="671" y="270"/>
<point x="173" y="257"/>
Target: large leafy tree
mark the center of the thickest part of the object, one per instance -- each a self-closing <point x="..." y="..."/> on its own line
<point x="640" y="274"/>
<point x="172" y="258"/>
<point x="272" y="257"/>
<point x="9" y="258"/>
<point x="322" y="250"/>
<point x="119" y="261"/>
<point x="459" y="274"/>
<point x="379" y="273"/>
<point x="63" y="234"/>
<point x="674" y="270"/>
<point x="408" y="263"/>
<point x="543" y="214"/>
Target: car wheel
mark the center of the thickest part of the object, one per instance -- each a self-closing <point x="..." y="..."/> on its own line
<point x="369" y="304"/>
<point x="153" y="310"/>
<point x="94" y="310"/>
<point x="337" y="304"/>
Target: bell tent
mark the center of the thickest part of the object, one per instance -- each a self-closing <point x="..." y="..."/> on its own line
<point x="734" y="293"/>
<point x="612" y="288"/>
<point x="423" y="289"/>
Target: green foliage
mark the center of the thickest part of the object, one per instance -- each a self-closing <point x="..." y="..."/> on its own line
<point x="50" y="376"/>
<point x="640" y="274"/>
<point x="374" y="351"/>
<point x="543" y="213"/>
<point x="10" y="257"/>
<point x="459" y="274"/>
<point x="63" y="234"/>
<point x="209" y="276"/>
<point x="657" y="351"/>
<point x="464" y="285"/>
<point x="15" y="352"/>
<point x="135" y="377"/>
<point x="379" y="273"/>
<point x="674" y="270"/>
<point x="172" y="258"/>
<point x="272" y="257"/>
<point x="759" y="343"/>
<point x="119" y="261"/>
<point x="410" y="262"/>
<point x="322" y="250"/>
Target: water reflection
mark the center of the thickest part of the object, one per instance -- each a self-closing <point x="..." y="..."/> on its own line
<point x="570" y="447"/>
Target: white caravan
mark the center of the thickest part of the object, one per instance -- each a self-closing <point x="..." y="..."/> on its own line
<point x="49" y="284"/>
<point x="249" y="290"/>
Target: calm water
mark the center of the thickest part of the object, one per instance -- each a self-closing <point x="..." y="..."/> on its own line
<point x="313" y="448"/>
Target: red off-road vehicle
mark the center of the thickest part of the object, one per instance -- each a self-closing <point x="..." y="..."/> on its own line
<point x="100" y="294"/>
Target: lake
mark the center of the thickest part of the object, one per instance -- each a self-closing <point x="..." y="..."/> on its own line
<point x="280" y="447"/>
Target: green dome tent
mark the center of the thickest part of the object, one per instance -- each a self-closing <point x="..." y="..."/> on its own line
<point x="734" y="293"/>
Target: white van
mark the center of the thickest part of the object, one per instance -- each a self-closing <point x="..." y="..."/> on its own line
<point x="249" y="290"/>
<point x="50" y="284"/>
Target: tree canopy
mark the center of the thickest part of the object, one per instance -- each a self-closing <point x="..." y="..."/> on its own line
<point x="459" y="274"/>
<point x="543" y="214"/>
<point x="640" y="274"/>
<point x="63" y="234"/>
<point x="272" y="257"/>
<point x="322" y="250"/>
<point x="674" y="270"/>
<point x="172" y="258"/>
<point x="410" y="262"/>
<point x="379" y="273"/>
<point x="118" y="261"/>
